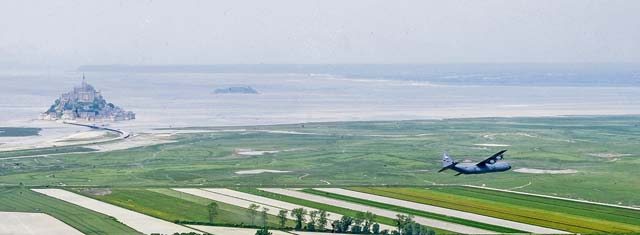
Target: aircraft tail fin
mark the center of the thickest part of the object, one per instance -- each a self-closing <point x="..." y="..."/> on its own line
<point x="447" y="162"/>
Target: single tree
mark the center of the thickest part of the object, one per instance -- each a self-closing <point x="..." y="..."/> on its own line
<point x="299" y="214"/>
<point x="412" y="228"/>
<point x="335" y="226"/>
<point x="264" y="217"/>
<point x="368" y="221"/>
<point x="213" y="211"/>
<point x="252" y="212"/>
<point x="359" y="218"/>
<point x="345" y="223"/>
<point x="423" y="230"/>
<point x="282" y="217"/>
<point x="431" y="231"/>
<point x="263" y="231"/>
<point x="313" y="219"/>
<point x="415" y="228"/>
<point x="375" y="228"/>
<point x="402" y="221"/>
<point x="407" y="229"/>
<point x="357" y="229"/>
<point x="310" y="226"/>
<point x="399" y="220"/>
<point x="322" y="219"/>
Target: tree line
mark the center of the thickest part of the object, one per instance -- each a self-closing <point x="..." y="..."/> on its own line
<point x="317" y="221"/>
<point x="361" y="223"/>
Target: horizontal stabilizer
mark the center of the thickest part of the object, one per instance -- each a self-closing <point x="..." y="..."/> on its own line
<point x="447" y="162"/>
<point x="443" y="169"/>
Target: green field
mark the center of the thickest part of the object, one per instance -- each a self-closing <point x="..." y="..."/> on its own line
<point x="18" y="131"/>
<point x="559" y="214"/>
<point x="176" y="206"/>
<point x="311" y="204"/>
<point x="603" y="151"/>
<point x="410" y="211"/>
<point x="84" y="220"/>
<point x="43" y="151"/>
<point x="321" y="206"/>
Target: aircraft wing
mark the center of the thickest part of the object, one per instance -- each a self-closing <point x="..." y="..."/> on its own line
<point x="493" y="159"/>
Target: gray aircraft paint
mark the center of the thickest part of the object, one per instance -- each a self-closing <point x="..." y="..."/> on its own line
<point x="489" y="165"/>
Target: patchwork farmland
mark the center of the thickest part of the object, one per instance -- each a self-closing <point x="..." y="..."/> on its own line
<point x="358" y="175"/>
<point x="442" y="209"/>
<point x="439" y="210"/>
<point x="553" y="213"/>
<point x="139" y="222"/>
<point x="457" y="228"/>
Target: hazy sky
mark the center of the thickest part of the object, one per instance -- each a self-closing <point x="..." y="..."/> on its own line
<point x="73" y="33"/>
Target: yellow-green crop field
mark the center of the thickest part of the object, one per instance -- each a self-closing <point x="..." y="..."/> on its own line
<point x="564" y="215"/>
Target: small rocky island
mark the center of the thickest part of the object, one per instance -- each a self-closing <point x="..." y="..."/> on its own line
<point x="85" y="103"/>
<point x="236" y="90"/>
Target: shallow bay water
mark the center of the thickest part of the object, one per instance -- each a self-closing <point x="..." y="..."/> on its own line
<point x="172" y="99"/>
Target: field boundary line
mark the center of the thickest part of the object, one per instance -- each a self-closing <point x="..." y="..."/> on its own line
<point x="552" y="197"/>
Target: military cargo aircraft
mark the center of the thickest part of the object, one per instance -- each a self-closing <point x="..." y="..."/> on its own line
<point x="489" y="165"/>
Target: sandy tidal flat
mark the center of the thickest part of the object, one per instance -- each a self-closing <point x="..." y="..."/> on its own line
<point x="83" y="136"/>
<point x="21" y="223"/>
<point x="186" y="99"/>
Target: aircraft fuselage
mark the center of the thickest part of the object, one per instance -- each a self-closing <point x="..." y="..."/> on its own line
<point x="472" y="168"/>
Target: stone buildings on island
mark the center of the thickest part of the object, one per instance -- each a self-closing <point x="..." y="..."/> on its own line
<point x="85" y="103"/>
